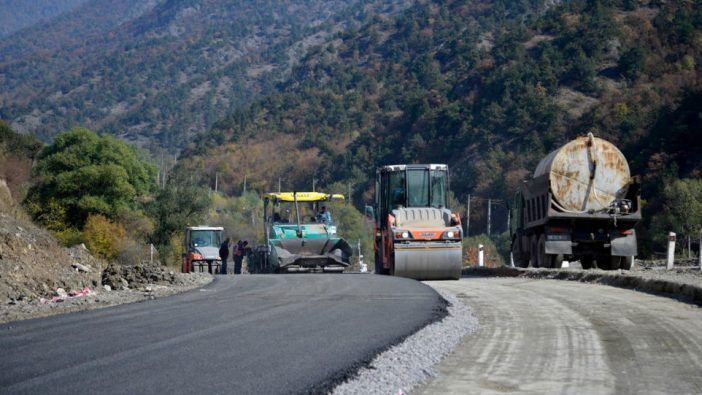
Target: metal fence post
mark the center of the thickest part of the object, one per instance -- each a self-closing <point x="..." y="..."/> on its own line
<point x="671" y="250"/>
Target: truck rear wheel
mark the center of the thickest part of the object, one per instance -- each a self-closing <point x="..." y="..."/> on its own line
<point x="587" y="262"/>
<point x="545" y="260"/>
<point x="615" y="262"/>
<point x="556" y="261"/>
<point x="520" y="259"/>
<point x="534" y="252"/>
<point x="627" y="262"/>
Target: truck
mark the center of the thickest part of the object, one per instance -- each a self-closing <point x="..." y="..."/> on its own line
<point x="580" y="204"/>
<point x="201" y="246"/>
<point x="300" y="235"/>
<point x="416" y="234"/>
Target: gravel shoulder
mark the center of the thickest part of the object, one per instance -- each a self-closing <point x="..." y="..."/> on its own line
<point x="408" y="364"/>
<point x="546" y="336"/>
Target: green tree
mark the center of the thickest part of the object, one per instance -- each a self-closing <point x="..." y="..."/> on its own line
<point x="632" y="63"/>
<point x="683" y="205"/>
<point x="181" y="203"/>
<point x="81" y="174"/>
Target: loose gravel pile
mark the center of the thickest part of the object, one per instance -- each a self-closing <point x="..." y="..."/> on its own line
<point x="412" y="362"/>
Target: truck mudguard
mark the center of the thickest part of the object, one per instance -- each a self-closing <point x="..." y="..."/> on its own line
<point x="623" y="245"/>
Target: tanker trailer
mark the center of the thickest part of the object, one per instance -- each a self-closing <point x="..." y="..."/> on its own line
<point x="581" y="204"/>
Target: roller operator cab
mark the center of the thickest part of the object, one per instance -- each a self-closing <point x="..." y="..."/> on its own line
<point x="202" y="249"/>
<point x="300" y="235"/>
<point x="416" y="235"/>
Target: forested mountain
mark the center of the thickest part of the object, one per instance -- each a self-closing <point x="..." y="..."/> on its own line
<point x="155" y="71"/>
<point x="487" y="86"/>
<point x="18" y="14"/>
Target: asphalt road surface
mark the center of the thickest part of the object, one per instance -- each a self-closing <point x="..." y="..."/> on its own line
<point x="548" y="336"/>
<point x="250" y="334"/>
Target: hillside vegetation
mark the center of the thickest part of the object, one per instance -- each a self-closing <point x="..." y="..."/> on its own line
<point x="154" y="72"/>
<point x="489" y="87"/>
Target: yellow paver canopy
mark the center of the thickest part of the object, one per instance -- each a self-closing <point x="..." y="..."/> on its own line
<point x="303" y="196"/>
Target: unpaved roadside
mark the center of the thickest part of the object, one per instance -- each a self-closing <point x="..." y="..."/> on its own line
<point x="545" y="336"/>
<point x="684" y="283"/>
<point x="100" y="297"/>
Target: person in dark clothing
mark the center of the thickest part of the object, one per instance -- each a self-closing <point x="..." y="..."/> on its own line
<point x="239" y="255"/>
<point x="224" y="254"/>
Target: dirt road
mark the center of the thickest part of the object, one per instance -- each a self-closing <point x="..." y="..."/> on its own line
<point x="547" y="336"/>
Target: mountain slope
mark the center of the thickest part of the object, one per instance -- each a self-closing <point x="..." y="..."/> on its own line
<point x="155" y="72"/>
<point x="18" y="14"/>
<point x="489" y="87"/>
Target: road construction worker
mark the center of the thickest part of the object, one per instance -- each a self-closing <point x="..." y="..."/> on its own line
<point x="224" y="254"/>
<point x="324" y="216"/>
<point x="239" y="255"/>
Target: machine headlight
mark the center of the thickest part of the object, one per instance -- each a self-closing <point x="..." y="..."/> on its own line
<point x="402" y="234"/>
<point x="450" y="234"/>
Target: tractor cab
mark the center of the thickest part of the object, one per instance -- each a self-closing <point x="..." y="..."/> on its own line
<point x="201" y="247"/>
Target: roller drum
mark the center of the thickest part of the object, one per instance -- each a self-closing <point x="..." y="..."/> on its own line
<point x="429" y="261"/>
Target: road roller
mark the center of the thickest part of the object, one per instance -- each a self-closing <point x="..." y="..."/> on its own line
<point x="416" y="234"/>
<point x="580" y="204"/>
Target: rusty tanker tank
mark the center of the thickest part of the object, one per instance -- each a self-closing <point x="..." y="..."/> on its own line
<point x="581" y="204"/>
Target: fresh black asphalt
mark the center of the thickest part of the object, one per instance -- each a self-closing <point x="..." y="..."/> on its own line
<point x="245" y="334"/>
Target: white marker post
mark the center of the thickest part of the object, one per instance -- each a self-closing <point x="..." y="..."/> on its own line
<point x="671" y="250"/>
<point x="481" y="256"/>
<point x="699" y="253"/>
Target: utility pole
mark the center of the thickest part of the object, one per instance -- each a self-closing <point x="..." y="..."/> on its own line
<point x="278" y="184"/>
<point x="468" y="218"/>
<point x="244" y="184"/>
<point x="348" y="201"/>
<point x="313" y="184"/>
<point x="216" y="181"/>
<point x="489" y="222"/>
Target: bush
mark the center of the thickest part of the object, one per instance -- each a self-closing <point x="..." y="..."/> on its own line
<point x="470" y="251"/>
<point x="69" y="237"/>
<point x="102" y="237"/>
